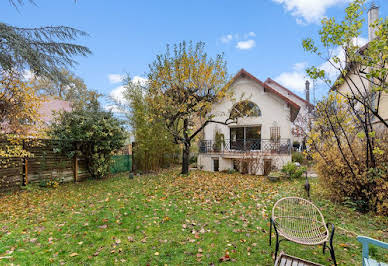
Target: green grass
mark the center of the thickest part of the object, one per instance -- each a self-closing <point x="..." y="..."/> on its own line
<point x="167" y="219"/>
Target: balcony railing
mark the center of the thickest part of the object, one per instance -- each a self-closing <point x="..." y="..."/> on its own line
<point x="281" y="146"/>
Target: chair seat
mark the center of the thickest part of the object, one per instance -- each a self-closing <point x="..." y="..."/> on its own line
<point x="302" y="236"/>
<point x="284" y="259"/>
<point x="300" y="221"/>
<point x="372" y="262"/>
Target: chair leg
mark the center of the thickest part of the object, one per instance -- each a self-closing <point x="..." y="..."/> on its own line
<point x="270" y="231"/>
<point x="331" y="248"/>
<point x="277" y="245"/>
<point x="277" y="239"/>
<point x="332" y="255"/>
<point x="324" y="247"/>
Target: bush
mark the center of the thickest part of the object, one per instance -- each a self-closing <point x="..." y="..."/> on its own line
<point x="297" y="157"/>
<point x="275" y="176"/>
<point x="365" y="189"/>
<point x="193" y="159"/>
<point x="293" y="171"/>
<point x="92" y="133"/>
<point x="229" y="171"/>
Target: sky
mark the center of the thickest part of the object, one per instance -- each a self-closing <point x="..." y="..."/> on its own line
<point x="262" y="36"/>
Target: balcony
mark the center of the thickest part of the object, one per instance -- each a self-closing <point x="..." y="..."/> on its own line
<point x="281" y="146"/>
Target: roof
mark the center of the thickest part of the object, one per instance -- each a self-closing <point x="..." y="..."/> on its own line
<point x="269" y="81"/>
<point x="51" y="105"/>
<point x="294" y="110"/>
<point x="349" y="66"/>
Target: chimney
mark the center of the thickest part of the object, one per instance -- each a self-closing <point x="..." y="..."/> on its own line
<point x="307" y="91"/>
<point x="373" y="15"/>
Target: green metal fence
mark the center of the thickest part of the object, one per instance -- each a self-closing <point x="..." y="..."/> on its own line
<point x="121" y="163"/>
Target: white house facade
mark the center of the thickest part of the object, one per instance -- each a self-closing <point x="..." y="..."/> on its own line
<point x="261" y="131"/>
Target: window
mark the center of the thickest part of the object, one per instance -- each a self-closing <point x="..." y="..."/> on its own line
<point x="245" y="109"/>
<point x="245" y="138"/>
<point x="216" y="164"/>
<point x="275" y="133"/>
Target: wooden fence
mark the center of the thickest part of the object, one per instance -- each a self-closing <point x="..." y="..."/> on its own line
<point x="45" y="164"/>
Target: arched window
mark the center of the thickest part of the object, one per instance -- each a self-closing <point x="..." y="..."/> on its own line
<point x="245" y="109"/>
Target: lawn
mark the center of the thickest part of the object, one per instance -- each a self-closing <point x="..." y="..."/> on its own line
<point x="203" y="218"/>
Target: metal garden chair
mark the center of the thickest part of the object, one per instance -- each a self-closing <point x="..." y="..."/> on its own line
<point x="300" y="221"/>
<point x="366" y="260"/>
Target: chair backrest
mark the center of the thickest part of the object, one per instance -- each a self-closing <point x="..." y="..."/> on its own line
<point x="296" y="210"/>
<point x="365" y="241"/>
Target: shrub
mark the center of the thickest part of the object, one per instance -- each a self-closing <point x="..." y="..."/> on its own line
<point x="193" y="159"/>
<point x="92" y="133"/>
<point x="229" y="171"/>
<point x="275" y="176"/>
<point x="293" y="171"/>
<point x="297" y="157"/>
<point x="364" y="189"/>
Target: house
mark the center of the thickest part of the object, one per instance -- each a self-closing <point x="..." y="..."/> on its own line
<point x="260" y="136"/>
<point x="50" y="107"/>
<point x="357" y="82"/>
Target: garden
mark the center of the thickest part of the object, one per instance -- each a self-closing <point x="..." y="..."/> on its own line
<point x="169" y="219"/>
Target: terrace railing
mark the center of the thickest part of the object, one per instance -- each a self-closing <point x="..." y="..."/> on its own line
<point x="281" y="146"/>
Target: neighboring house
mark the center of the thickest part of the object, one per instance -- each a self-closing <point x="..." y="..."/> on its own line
<point x="50" y="107"/>
<point x="357" y="80"/>
<point x="264" y="113"/>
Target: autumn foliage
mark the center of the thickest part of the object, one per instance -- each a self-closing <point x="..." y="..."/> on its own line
<point x="19" y="117"/>
<point x="339" y="148"/>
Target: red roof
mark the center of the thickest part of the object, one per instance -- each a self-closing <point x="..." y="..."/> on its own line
<point x="294" y="107"/>
<point x="269" y="81"/>
<point x="51" y="105"/>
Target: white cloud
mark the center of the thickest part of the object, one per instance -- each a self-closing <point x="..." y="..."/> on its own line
<point x="331" y="70"/>
<point x="294" y="80"/>
<point x="308" y="11"/>
<point x="140" y="80"/>
<point x="117" y="94"/>
<point x="246" y="45"/>
<point x="27" y="74"/>
<point x="115" y="78"/>
<point x="227" y="38"/>
<point x="249" y="34"/>
<point x="244" y="41"/>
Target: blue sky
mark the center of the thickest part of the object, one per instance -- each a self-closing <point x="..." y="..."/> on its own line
<point x="262" y="36"/>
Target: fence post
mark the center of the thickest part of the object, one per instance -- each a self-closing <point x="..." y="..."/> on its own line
<point x="75" y="168"/>
<point x="133" y="156"/>
<point x="25" y="167"/>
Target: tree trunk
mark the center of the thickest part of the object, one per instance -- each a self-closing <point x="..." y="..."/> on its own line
<point x="185" y="159"/>
<point x="186" y="148"/>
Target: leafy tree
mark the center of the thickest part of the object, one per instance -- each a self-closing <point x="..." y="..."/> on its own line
<point x="350" y="154"/>
<point x="338" y="148"/>
<point x="67" y="87"/>
<point x="183" y="86"/>
<point x="19" y="115"/>
<point x="154" y="144"/>
<point x="362" y="70"/>
<point x="44" y="50"/>
<point x="359" y="66"/>
<point x="91" y="132"/>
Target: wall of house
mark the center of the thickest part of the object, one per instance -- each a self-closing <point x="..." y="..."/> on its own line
<point x="274" y="111"/>
<point x="205" y="162"/>
<point x="303" y="112"/>
<point x="358" y="83"/>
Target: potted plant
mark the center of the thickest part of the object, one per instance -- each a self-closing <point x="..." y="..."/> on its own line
<point x="218" y="142"/>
